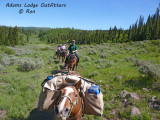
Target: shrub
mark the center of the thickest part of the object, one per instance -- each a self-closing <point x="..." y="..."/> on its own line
<point x="0" y="58"/>
<point x="127" y="59"/>
<point x="14" y="59"/>
<point x="52" y="48"/>
<point x="150" y="69"/>
<point x="92" y="52"/>
<point x="1" y="67"/>
<point x="81" y="47"/>
<point x="5" y="60"/>
<point x="93" y="74"/>
<point x="100" y="61"/>
<point x="110" y="64"/>
<point x="155" y="42"/>
<point x="45" y="49"/>
<point x="137" y="62"/>
<point x="7" y="50"/>
<point x="84" y="46"/>
<point x="103" y="55"/>
<point x="28" y="64"/>
<point x="131" y="59"/>
<point x="151" y="49"/>
<point x="39" y="63"/>
<point x="101" y="49"/>
<point x="143" y="51"/>
<point x="86" y="58"/>
<point x="92" y="46"/>
<point x="101" y="66"/>
<point x="51" y="60"/>
<point x="21" y="51"/>
<point x="113" y="53"/>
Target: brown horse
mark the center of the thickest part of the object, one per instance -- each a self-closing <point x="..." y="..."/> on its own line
<point x="70" y="104"/>
<point x="72" y="62"/>
<point x="63" y="55"/>
<point x="58" y="54"/>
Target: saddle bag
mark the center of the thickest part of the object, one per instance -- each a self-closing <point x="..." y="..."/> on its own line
<point x="49" y="94"/>
<point x="93" y="101"/>
<point x="47" y="100"/>
<point x="92" y="96"/>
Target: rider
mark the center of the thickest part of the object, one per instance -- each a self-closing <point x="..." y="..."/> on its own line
<point x="72" y="49"/>
<point x="58" y="48"/>
<point x="63" y="47"/>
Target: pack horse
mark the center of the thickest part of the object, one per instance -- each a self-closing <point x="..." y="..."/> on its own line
<point x="70" y="103"/>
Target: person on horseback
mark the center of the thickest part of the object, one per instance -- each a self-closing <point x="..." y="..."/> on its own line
<point x="72" y="49"/>
<point x="58" y="48"/>
<point x="63" y="48"/>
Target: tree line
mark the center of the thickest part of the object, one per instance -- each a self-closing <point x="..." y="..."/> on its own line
<point x="11" y="36"/>
<point x="136" y="32"/>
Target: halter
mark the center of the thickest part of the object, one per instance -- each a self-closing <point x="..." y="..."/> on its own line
<point x="77" y="114"/>
<point x="72" y="103"/>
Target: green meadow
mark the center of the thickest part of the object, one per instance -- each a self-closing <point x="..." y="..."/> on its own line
<point x="134" y="67"/>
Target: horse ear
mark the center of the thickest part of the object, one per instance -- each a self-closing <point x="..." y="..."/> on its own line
<point x="63" y="81"/>
<point x="78" y="84"/>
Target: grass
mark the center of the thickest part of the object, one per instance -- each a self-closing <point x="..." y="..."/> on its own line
<point x="21" y="89"/>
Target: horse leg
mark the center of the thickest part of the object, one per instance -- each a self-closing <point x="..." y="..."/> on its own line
<point x="73" y="67"/>
<point x="63" y="59"/>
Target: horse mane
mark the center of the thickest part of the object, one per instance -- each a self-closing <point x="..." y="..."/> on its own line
<point x="72" y="56"/>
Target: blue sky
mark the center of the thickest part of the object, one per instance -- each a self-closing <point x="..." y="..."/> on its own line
<point x="80" y="14"/>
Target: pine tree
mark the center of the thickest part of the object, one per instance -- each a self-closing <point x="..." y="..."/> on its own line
<point x="140" y="29"/>
<point x="10" y="36"/>
<point x="27" y="38"/>
<point x="156" y="26"/>
<point x="3" y="32"/>
<point x="15" y="35"/>
<point x="21" y="39"/>
<point x="148" y="29"/>
<point x="129" y="34"/>
<point x="115" y="34"/>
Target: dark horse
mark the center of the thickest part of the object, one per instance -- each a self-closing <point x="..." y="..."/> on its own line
<point x="58" y="54"/>
<point x="63" y="55"/>
<point x="70" y="104"/>
<point x="72" y="62"/>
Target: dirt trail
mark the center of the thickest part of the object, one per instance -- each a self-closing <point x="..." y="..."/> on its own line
<point x="3" y="114"/>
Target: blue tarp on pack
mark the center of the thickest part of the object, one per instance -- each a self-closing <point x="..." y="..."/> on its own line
<point x="94" y="89"/>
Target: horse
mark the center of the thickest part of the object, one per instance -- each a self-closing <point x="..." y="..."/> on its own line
<point x="72" y="62"/>
<point x="70" y="103"/>
<point x="63" y="55"/>
<point x="58" y="54"/>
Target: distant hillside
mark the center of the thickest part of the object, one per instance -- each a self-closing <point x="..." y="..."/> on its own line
<point x="35" y="28"/>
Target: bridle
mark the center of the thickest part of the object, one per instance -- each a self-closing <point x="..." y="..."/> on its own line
<point x="72" y="104"/>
